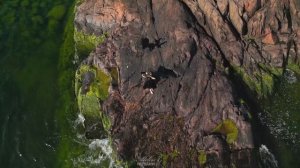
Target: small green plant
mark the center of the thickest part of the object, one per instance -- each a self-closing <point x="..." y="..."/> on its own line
<point x="165" y="157"/>
<point x="174" y="154"/>
<point x="229" y="129"/>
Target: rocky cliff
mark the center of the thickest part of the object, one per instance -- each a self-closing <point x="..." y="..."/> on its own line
<point x="180" y="69"/>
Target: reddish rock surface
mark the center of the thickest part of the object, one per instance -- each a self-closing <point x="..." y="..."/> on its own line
<point x="270" y="38"/>
<point x="188" y="46"/>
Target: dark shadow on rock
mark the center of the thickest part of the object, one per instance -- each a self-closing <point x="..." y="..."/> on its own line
<point x="161" y="73"/>
<point x="156" y="44"/>
<point x="165" y="73"/>
<point x="95" y="131"/>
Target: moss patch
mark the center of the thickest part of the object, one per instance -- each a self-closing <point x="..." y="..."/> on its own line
<point x="271" y="70"/>
<point x="174" y="154"/>
<point x="99" y="87"/>
<point x="260" y="82"/>
<point x="267" y="84"/>
<point x="202" y="158"/>
<point x="229" y="129"/>
<point x="89" y="103"/>
<point x="165" y="157"/>
<point x="85" y="43"/>
<point x="251" y="83"/>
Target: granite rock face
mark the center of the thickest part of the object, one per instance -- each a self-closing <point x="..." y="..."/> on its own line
<point x="190" y="49"/>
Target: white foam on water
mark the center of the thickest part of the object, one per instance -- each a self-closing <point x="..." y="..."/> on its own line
<point x="80" y="136"/>
<point x="267" y="158"/>
<point x="103" y="144"/>
<point x="99" y="152"/>
<point x="96" y="152"/>
<point x="80" y="120"/>
<point x="106" y="148"/>
<point x="281" y="126"/>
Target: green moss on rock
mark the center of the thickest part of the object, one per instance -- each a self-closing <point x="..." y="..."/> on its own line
<point x="89" y="105"/>
<point x="164" y="158"/>
<point x="267" y="84"/>
<point x="85" y="43"/>
<point x="89" y="102"/>
<point x="174" y="154"/>
<point x="229" y="129"/>
<point x="260" y="82"/>
<point x="249" y="81"/>
<point x="99" y="87"/>
<point x="102" y="83"/>
<point x="270" y="69"/>
<point x="202" y="157"/>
